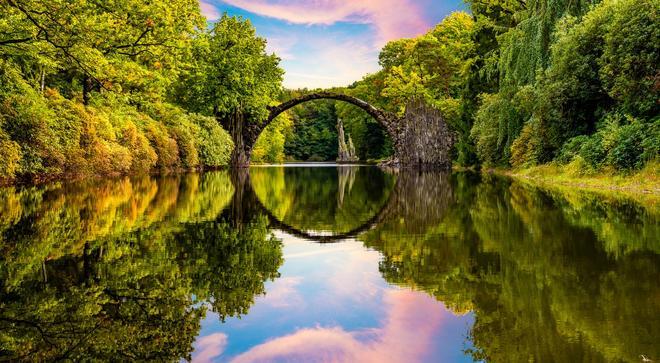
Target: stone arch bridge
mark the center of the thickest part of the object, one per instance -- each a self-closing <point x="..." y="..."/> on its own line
<point x="421" y="137"/>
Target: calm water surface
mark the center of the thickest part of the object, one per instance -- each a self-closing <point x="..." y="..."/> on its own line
<point x="326" y="264"/>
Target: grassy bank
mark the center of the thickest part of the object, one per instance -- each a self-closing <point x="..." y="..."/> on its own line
<point x="643" y="185"/>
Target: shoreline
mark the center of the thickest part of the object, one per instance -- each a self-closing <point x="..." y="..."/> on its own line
<point x="644" y="183"/>
<point x="40" y="179"/>
<point x="642" y="186"/>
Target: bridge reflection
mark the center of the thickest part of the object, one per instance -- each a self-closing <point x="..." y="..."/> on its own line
<point x="337" y="204"/>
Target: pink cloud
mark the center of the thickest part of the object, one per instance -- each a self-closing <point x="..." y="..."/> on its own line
<point x="392" y="19"/>
<point x="282" y="46"/>
<point x="209" y="11"/>
<point x="210" y="347"/>
<point x="283" y="293"/>
<point x="406" y="335"/>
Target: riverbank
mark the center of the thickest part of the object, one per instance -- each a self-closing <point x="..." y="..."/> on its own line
<point x="643" y="185"/>
<point x="39" y="179"/>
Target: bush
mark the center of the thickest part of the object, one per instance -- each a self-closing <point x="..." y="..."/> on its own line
<point x="10" y="156"/>
<point x="592" y="151"/>
<point x="497" y="122"/>
<point x="621" y="142"/>
<point x="526" y="148"/>
<point x="144" y="157"/>
<point x="578" y="167"/>
<point x="165" y="146"/>
<point x="571" y="149"/>
<point x="627" y="149"/>
<point x="651" y="142"/>
<point x="26" y="119"/>
<point x="215" y="144"/>
<point x="186" y="143"/>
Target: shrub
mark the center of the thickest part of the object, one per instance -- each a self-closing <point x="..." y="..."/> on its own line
<point x="144" y="156"/>
<point x="186" y="144"/>
<point x="651" y="142"/>
<point x="26" y="120"/>
<point x="497" y="122"/>
<point x="10" y="156"/>
<point x="165" y="146"/>
<point x="571" y="149"/>
<point x="627" y="149"/>
<point x="526" y="148"/>
<point x="592" y="151"/>
<point x="577" y="167"/>
<point x="215" y="144"/>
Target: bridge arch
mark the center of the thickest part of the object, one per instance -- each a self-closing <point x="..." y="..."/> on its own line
<point x="383" y="118"/>
<point x="247" y="136"/>
<point x="421" y="137"/>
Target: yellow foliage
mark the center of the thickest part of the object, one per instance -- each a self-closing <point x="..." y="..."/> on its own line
<point x="10" y="155"/>
<point x="525" y="147"/>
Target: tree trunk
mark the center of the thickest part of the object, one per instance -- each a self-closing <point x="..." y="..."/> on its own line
<point x="43" y="80"/>
<point x="89" y="85"/>
<point x="235" y="125"/>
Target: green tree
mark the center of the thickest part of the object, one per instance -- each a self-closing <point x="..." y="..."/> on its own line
<point x="231" y="78"/>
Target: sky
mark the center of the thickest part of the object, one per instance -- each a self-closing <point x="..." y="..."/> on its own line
<point x="326" y="43"/>
<point x="331" y="304"/>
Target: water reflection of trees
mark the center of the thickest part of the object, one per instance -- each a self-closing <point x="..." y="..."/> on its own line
<point x="127" y="269"/>
<point x="550" y="276"/>
<point x="124" y="270"/>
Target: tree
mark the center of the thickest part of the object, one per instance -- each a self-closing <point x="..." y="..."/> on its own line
<point x="112" y="46"/>
<point x="233" y="79"/>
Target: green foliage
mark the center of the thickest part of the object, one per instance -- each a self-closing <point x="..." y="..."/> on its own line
<point x="83" y="89"/>
<point x="430" y="66"/>
<point x="626" y="148"/>
<point x="571" y="149"/>
<point x="314" y="135"/>
<point x="492" y="128"/>
<point x="270" y="145"/>
<point x="621" y="143"/>
<point x="526" y="148"/>
<point x="592" y="151"/>
<point x="131" y="46"/>
<point x="629" y="64"/>
<point x="215" y="144"/>
<point x="230" y="71"/>
<point x="565" y="66"/>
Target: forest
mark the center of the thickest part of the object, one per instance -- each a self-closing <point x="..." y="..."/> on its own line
<point x="90" y="87"/>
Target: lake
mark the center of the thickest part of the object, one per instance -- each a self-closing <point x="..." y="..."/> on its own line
<point x="326" y="263"/>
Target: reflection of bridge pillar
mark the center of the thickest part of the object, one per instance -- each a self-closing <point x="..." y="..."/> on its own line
<point x="420" y="199"/>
